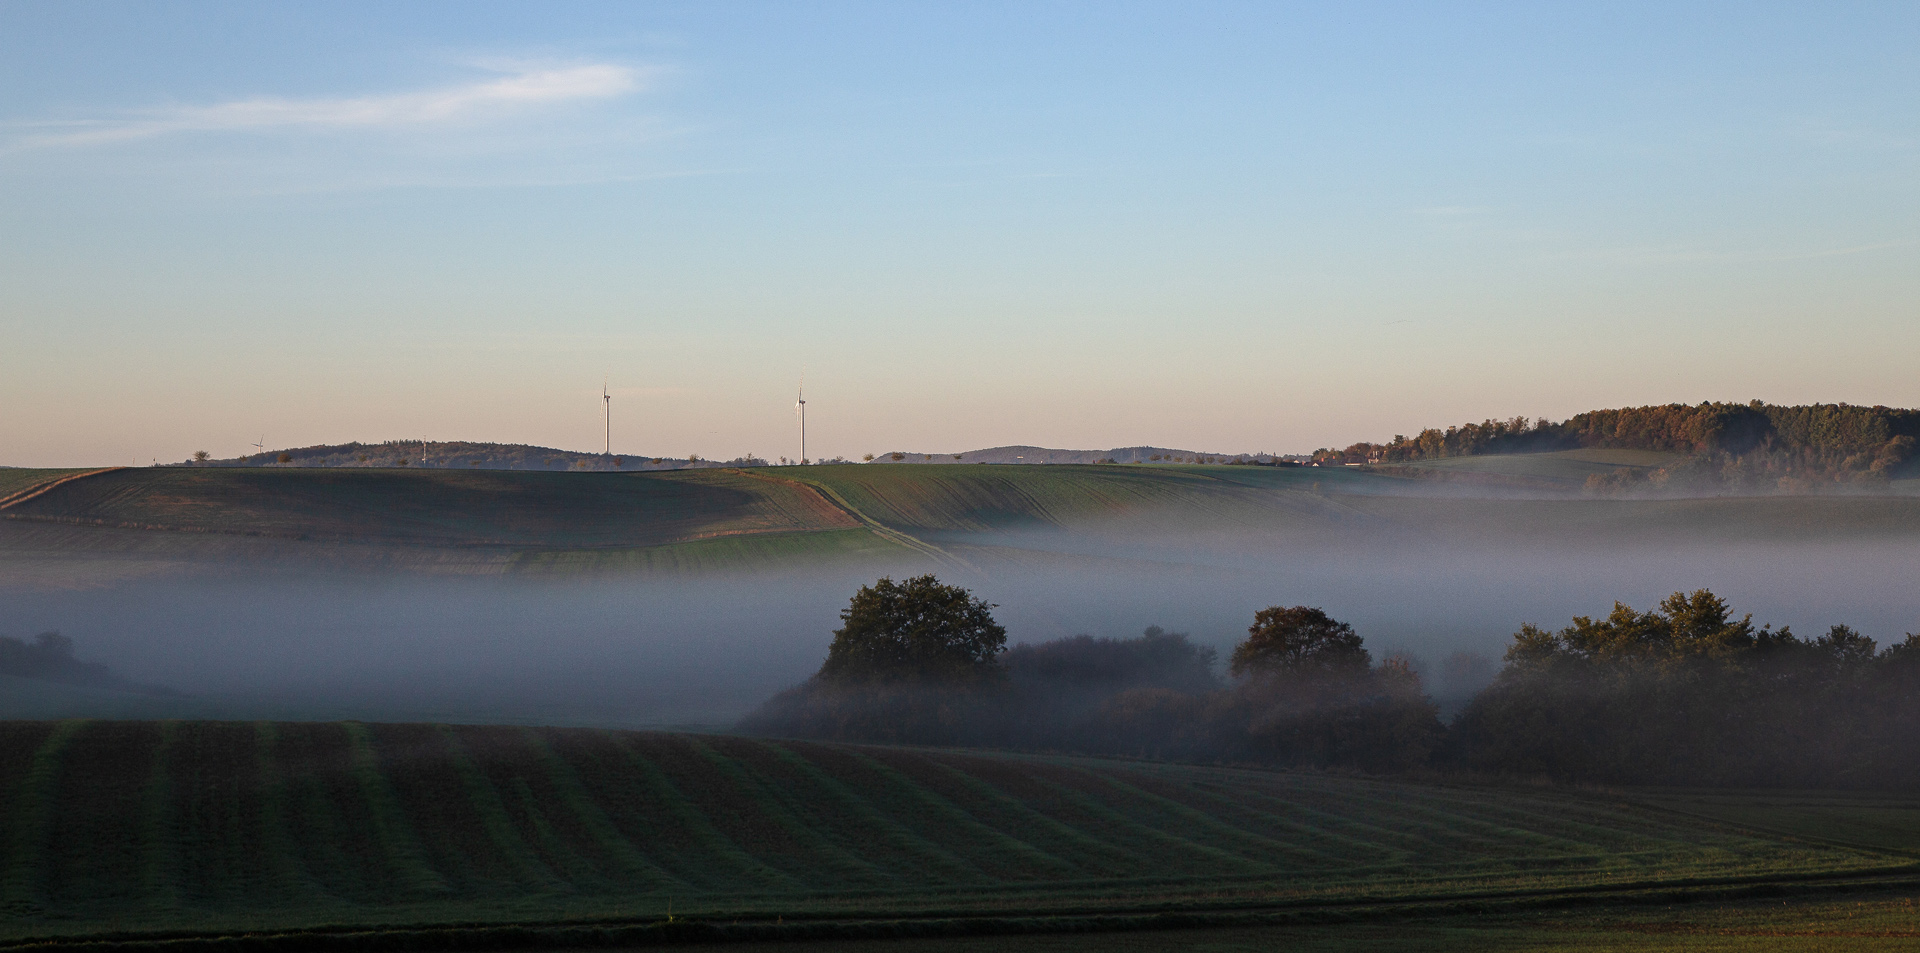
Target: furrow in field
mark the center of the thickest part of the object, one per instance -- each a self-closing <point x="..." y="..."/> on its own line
<point x="989" y="848"/>
<point x="97" y="843"/>
<point x="1174" y="816"/>
<point x="327" y="814"/>
<point x="656" y="815"/>
<point x="810" y="828"/>
<point x="548" y="818"/>
<point x="160" y="864"/>
<point x="193" y="826"/>
<point x="1488" y="824"/>
<point x="627" y="863"/>
<point x="1152" y="849"/>
<point x="1388" y="816"/>
<point x="502" y="835"/>
<point x="1614" y="827"/>
<point x="920" y="855"/>
<point x="1313" y="840"/>
<point x="217" y="807"/>
<point x="1007" y="816"/>
<point x="768" y="843"/>
<point x="285" y="877"/>
<point x="32" y="804"/>
<point x="406" y="857"/>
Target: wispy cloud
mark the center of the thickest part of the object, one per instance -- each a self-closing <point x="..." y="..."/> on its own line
<point x="517" y="91"/>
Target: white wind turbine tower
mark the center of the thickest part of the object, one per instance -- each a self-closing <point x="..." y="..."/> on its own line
<point x="607" y="397"/>
<point x="800" y="408"/>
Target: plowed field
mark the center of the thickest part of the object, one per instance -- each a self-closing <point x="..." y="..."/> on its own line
<point x="311" y="831"/>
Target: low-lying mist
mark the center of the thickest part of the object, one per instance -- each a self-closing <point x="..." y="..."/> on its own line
<point x="704" y="650"/>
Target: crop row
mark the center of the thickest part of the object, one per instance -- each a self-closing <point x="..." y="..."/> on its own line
<point x="109" y="826"/>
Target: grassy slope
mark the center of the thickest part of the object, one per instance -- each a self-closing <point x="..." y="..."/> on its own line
<point x="957" y="498"/>
<point x="936" y="497"/>
<point x="20" y="479"/>
<point x="1568" y="466"/>
<point x="701" y="520"/>
<point x="443" y="507"/>
<point x="218" y="826"/>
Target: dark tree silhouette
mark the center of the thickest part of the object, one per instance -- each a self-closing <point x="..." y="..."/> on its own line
<point x="920" y="630"/>
<point x="1298" y="640"/>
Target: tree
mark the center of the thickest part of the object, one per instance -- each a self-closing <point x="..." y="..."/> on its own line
<point x="1299" y="640"/>
<point x="1313" y="697"/>
<point x="920" y="630"/>
<point x="200" y="456"/>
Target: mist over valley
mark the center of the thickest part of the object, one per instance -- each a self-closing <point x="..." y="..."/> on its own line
<point x="690" y="597"/>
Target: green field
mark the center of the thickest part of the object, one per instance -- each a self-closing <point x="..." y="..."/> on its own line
<point x="441" y="507"/>
<point x="149" y="520"/>
<point x="1873" y="922"/>
<point x="1568" y="467"/>
<point x="16" y="481"/>
<point x="312" y="830"/>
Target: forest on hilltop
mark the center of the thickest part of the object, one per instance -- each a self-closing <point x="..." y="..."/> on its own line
<point x="1751" y="446"/>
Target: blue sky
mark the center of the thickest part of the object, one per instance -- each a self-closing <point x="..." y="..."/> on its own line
<point x="1222" y="226"/>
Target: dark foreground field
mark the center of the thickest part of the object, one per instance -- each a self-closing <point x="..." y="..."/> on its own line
<point x="319" y="836"/>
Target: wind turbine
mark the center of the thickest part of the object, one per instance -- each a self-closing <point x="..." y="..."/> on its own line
<point x="607" y="396"/>
<point x="260" y="445"/>
<point x="800" y="407"/>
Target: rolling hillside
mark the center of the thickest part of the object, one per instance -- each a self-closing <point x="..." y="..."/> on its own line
<point x="442" y="508"/>
<point x="1023" y="454"/>
<point x="702" y="520"/>
<point x="318" y="832"/>
<point x="1561" y="469"/>
<point x="16" y="483"/>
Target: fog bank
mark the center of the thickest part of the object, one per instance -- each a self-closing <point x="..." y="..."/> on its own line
<point x="636" y="651"/>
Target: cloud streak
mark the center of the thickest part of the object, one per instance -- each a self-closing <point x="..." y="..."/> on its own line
<point x="517" y="91"/>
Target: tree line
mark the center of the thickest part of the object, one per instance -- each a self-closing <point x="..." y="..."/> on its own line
<point x="1751" y="446"/>
<point x="1683" y="694"/>
<point x="49" y="657"/>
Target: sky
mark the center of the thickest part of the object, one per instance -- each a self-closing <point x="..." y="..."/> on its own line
<point x="1229" y="227"/>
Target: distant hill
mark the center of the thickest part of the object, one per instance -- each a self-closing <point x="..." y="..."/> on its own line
<point x="462" y="455"/>
<point x="1024" y="454"/>
<point x="470" y="455"/>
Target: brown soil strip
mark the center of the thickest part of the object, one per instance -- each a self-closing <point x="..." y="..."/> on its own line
<point x="879" y="529"/>
<point x="41" y="488"/>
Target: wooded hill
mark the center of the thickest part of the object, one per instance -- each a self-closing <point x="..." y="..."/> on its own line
<point x="1754" y="446"/>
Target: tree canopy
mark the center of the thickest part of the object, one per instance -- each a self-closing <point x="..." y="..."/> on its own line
<point x="1753" y="445"/>
<point x="920" y="630"/>
<point x="1298" y="640"/>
